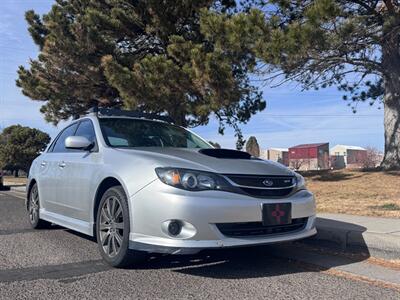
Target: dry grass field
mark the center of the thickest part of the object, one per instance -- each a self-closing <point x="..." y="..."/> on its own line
<point x="356" y="192"/>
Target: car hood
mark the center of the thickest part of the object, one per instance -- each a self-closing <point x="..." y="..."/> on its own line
<point x="193" y="159"/>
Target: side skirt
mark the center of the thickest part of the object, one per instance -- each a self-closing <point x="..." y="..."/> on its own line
<point x="70" y="223"/>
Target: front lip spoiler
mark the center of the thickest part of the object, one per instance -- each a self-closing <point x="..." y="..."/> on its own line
<point x="176" y="250"/>
<point x="139" y="246"/>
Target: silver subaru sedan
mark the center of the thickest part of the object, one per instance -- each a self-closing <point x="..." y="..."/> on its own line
<point x="140" y="184"/>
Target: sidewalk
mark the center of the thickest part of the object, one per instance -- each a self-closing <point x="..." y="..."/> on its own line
<point x="377" y="236"/>
<point x="21" y="189"/>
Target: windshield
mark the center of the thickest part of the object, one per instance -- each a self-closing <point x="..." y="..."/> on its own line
<point x="124" y="132"/>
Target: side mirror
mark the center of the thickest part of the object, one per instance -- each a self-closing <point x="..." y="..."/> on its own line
<point x="77" y="142"/>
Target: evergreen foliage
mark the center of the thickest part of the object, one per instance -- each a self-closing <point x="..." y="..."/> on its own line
<point x="154" y="56"/>
<point x="353" y="45"/>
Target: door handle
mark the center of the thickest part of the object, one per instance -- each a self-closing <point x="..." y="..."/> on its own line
<point x="61" y="164"/>
<point x="43" y="164"/>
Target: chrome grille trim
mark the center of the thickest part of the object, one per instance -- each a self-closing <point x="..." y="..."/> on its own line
<point x="227" y="178"/>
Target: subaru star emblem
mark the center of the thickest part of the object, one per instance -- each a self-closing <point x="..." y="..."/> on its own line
<point x="268" y="182"/>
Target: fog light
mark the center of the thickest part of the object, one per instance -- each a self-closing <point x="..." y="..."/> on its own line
<point x="174" y="228"/>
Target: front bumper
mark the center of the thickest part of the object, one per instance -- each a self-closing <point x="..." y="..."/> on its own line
<point x="158" y="203"/>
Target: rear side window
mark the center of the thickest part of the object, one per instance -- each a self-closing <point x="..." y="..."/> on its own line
<point x="60" y="143"/>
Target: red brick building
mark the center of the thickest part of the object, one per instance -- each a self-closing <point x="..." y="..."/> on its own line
<point x="309" y="156"/>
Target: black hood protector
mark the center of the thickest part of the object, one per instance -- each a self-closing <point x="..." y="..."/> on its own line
<point x="225" y="153"/>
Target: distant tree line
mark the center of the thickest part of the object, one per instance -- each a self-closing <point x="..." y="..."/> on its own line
<point x="19" y="146"/>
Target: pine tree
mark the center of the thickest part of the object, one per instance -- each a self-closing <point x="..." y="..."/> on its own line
<point x="353" y="45"/>
<point x="152" y="56"/>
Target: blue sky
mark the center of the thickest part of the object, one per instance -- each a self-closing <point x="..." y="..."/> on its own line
<point x="292" y="117"/>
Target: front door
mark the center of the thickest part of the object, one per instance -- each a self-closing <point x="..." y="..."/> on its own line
<point x="52" y="170"/>
<point x="79" y="167"/>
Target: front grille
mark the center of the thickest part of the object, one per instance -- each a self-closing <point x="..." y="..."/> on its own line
<point x="257" y="181"/>
<point x="263" y="186"/>
<point x="249" y="229"/>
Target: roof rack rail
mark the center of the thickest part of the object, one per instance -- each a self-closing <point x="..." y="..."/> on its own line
<point x="102" y="111"/>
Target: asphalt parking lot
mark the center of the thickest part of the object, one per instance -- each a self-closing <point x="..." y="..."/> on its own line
<point x="59" y="264"/>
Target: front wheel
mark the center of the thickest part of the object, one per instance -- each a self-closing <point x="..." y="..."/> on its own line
<point x="112" y="229"/>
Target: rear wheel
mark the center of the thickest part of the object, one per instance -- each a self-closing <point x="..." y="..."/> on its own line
<point x="112" y="229"/>
<point x="33" y="209"/>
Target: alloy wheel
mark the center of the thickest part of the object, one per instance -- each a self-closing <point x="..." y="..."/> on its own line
<point x="111" y="226"/>
<point x="34" y="205"/>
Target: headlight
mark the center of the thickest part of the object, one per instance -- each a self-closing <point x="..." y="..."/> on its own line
<point x="301" y="182"/>
<point x="190" y="179"/>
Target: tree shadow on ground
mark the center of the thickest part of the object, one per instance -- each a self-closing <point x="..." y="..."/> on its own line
<point x="331" y="176"/>
<point x="393" y="173"/>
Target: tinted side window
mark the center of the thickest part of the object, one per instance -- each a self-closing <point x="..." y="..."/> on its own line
<point x="86" y="129"/>
<point x="60" y="143"/>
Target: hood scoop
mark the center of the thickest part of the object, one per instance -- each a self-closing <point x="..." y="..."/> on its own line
<point x="226" y="153"/>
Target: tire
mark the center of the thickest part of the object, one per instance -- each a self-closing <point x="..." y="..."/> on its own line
<point x="113" y="228"/>
<point x="33" y="209"/>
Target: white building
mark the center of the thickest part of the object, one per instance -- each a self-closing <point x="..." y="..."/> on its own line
<point x="280" y="155"/>
<point x="345" y="156"/>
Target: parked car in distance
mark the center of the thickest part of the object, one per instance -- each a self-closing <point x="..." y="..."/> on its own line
<point x="2" y="186"/>
<point x="140" y="184"/>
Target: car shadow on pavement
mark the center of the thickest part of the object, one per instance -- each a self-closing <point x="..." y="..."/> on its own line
<point x="326" y="250"/>
<point x="313" y="254"/>
<point x="82" y="235"/>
